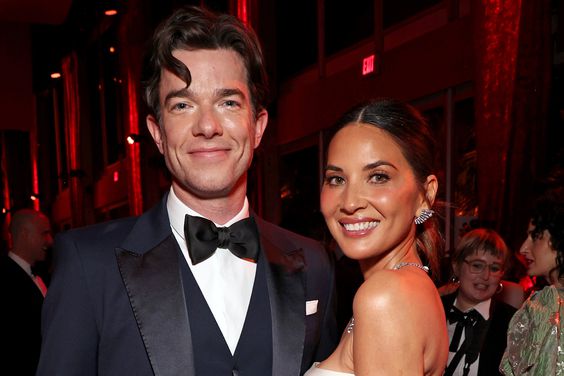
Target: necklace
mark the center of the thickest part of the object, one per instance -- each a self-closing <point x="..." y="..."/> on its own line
<point x="350" y="326"/>
<point x="417" y="265"/>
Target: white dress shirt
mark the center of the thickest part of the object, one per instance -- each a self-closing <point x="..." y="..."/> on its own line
<point x="27" y="268"/>
<point x="226" y="281"/>
<point x="483" y="309"/>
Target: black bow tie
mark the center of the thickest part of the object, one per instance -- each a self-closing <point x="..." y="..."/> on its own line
<point x="203" y="237"/>
<point x="475" y="328"/>
<point x="463" y="320"/>
<point x="455" y="315"/>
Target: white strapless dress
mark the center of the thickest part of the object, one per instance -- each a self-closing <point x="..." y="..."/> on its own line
<point x="315" y="371"/>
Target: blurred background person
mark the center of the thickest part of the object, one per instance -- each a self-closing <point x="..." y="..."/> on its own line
<point x="477" y="324"/>
<point x="22" y="292"/>
<point x="534" y="338"/>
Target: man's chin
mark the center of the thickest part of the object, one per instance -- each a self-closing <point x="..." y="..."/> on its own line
<point x="207" y="191"/>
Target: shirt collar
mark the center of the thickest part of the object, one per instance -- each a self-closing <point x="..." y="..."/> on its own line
<point x="21" y="262"/>
<point x="177" y="211"/>
<point x="483" y="308"/>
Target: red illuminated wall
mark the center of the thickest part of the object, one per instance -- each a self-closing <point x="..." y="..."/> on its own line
<point x="16" y="96"/>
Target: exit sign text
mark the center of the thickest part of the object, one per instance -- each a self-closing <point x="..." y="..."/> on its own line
<point x="368" y="65"/>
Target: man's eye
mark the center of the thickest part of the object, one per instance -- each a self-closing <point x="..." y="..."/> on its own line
<point x="231" y="103"/>
<point x="180" y="106"/>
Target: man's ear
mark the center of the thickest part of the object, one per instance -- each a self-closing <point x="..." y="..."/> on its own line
<point x="155" y="130"/>
<point x="260" y="126"/>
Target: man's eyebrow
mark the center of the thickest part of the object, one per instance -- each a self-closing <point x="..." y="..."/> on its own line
<point x="185" y="92"/>
<point x="227" y="92"/>
<point x="180" y="93"/>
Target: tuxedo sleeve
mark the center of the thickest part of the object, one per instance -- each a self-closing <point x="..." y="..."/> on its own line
<point x="69" y="330"/>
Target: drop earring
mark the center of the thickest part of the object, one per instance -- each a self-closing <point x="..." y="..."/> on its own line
<point x="425" y="214"/>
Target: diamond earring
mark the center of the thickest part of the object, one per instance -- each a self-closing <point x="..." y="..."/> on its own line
<point x="425" y="214"/>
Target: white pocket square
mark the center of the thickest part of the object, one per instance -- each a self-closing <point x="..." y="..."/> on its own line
<point x="311" y="307"/>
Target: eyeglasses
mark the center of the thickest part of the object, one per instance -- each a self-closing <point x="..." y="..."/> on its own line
<point x="477" y="267"/>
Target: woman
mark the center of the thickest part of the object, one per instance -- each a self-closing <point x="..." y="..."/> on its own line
<point x="377" y="196"/>
<point x="534" y="341"/>
<point x="477" y="324"/>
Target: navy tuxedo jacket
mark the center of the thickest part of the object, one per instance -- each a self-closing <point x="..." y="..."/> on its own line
<point x="116" y="302"/>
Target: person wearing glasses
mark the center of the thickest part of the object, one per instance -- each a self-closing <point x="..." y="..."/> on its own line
<point x="534" y="340"/>
<point x="477" y="324"/>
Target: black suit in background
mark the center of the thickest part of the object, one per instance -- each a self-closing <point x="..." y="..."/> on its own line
<point x="496" y="338"/>
<point x="117" y="303"/>
<point x="20" y="320"/>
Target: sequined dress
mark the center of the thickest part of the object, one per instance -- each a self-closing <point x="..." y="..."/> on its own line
<point x="534" y="339"/>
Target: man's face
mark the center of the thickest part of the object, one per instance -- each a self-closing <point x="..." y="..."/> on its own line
<point x="40" y="238"/>
<point x="207" y="132"/>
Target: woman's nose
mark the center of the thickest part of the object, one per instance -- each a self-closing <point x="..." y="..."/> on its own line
<point x="353" y="199"/>
<point x="526" y="246"/>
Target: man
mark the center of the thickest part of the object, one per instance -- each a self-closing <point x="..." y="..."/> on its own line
<point x="21" y="292"/>
<point x="142" y="296"/>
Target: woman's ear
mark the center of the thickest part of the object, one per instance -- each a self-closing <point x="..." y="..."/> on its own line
<point x="429" y="192"/>
<point x="455" y="269"/>
<point x="431" y="187"/>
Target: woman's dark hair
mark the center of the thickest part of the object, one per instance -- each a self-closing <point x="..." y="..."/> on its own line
<point x="484" y="240"/>
<point x="548" y="214"/>
<point x="410" y="130"/>
<point x="194" y="28"/>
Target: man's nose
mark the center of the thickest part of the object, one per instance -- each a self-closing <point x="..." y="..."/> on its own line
<point x="208" y="123"/>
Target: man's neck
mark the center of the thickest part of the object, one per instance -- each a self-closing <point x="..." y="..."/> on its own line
<point x="218" y="210"/>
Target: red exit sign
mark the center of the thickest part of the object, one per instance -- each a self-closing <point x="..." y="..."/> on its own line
<point x="368" y="65"/>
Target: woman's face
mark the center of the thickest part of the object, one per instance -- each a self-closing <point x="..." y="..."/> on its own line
<point x="370" y="195"/>
<point x="539" y="256"/>
<point x="479" y="275"/>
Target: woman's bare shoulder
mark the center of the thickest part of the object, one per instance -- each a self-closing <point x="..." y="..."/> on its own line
<point x="400" y="311"/>
<point x="392" y="287"/>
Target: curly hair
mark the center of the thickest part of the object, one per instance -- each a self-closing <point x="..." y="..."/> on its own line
<point x="548" y="214"/>
<point x="195" y="28"/>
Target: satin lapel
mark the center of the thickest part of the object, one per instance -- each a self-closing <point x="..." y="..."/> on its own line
<point x="151" y="275"/>
<point x="285" y="280"/>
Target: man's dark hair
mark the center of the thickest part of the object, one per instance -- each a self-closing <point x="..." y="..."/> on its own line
<point x="195" y="28"/>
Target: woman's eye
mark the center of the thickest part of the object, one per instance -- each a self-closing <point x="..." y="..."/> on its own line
<point x="379" y="178"/>
<point x="334" y="180"/>
<point x="495" y="268"/>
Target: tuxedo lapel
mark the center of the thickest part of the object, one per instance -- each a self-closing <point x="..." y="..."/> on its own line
<point x="285" y="283"/>
<point x="151" y="275"/>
